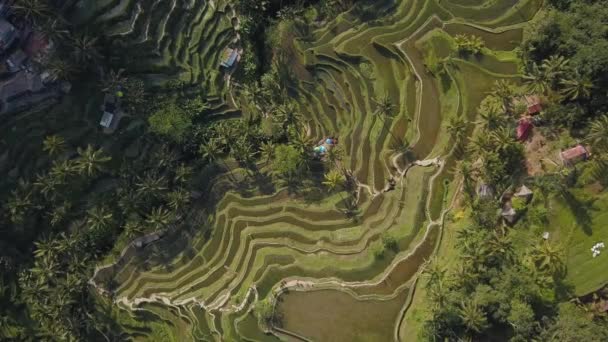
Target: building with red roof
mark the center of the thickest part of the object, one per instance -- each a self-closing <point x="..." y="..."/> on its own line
<point x="574" y="155"/>
<point x="533" y="103"/>
<point x="524" y="127"/>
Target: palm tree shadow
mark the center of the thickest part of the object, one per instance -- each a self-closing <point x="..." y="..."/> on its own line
<point x="263" y="181"/>
<point x="580" y="209"/>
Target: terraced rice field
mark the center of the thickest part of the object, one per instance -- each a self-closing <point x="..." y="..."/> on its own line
<point x="308" y="257"/>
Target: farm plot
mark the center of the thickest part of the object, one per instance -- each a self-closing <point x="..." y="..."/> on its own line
<point x="263" y="247"/>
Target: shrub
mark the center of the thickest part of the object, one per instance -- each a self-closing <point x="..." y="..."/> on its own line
<point x="170" y="121"/>
<point x="389" y="243"/>
<point x="287" y="161"/>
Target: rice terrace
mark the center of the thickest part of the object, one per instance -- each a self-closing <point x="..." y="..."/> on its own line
<point x="333" y="170"/>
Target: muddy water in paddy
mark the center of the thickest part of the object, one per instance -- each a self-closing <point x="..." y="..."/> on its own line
<point x="332" y="315"/>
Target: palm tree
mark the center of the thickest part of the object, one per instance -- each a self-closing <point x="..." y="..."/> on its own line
<point x="466" y="171"/>
<point x="554" y="68"/>
<point x="99" y="218"/>
<point x="182" y="174"/>
<point x="53" y="144"/>
<point x="267" y="151"/>
<point x="578" y="86"/>
<point x="547" y="258"/>
<point x="47" y="184"/>
<point x="538" y="80"/>
<point x="178" y="199"/>
<point x="18" y="204"/>
<point x="505" y="90"/>
<point x="501" y="248"/>
<point x="211" y="151"/>
<point x="60" y="213"/>
<point x="384" y="105"/>
<point x="301" y="142"/>
<point x="63" y="169"/>
<point x="336" y="155"/>
<point x="502" y="138"/>
<point x="334" y="180"/>
<point x="45" y="248"/>
<point x="288" y="115"/>
<point x="384" y="110"/>
<point x="598" y="133"/>
<point x="133" y="228"/>
<point x="112" y="80"/>
<point x="32" y="10"/>
<point x="159" y="218"/>
<point x="84" y="48"/>
<point x="481" y="143"/>
<point x="53" y="30"/>
<point x="456" y="128"/>
<point x="472" y="316"/>
<point x="90" y="161"/>
<point x="242" y="151"/>
<point x="151" y="186"/>
<point x="62" y="69"/>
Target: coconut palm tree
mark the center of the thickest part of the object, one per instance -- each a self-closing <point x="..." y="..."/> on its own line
<point x="288" y="115"/>
<point x="133" y="227"/>
<point x="178" y="199"/>
<point x="577" y="86"/>
<point x="151" y="185"/>
<point x="99" y="218"/>
<point x="472" y="316"/>
<point x="384" y="110"/>
<point x="538" y="80"/>
<point x="301" y="142"/>
<point x="45" y="248"/>
<point x="33" y="11"/>
<point x="456" y="128"/>
<point x="333" y="180"/>
<point x="554" y="68"/>
<point x="466" y="171"/>
<point x="502" y="138"/>
<point x="61" y="69"/>
<point x="61" y="170"/>
<point x="112" y="80"/>
<point x="159" y="218"/>
<point x="547" y="258"/>
<point x="505" y="90"/>
<point x="90" y="160"/>
<point x="84" y="48"/>
<point x="60" y="213"/>
<point x="47" y="185"/>
<point x="210" y="151"/>
<point x="242" y="151"/>
<point x="53" y="144"/>
<point x="19" y="203"/>
<point x="335" y="156"/>
<point x="182" y="174"/>
<point x="598" y="133"/>
<point x="480" y="144"/>
<point x="469" y="44"/>
<point x="384" y="106"/>
<point x="267" y="151"/>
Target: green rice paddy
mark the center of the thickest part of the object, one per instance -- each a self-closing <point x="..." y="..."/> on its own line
<point x="316" y="264"/>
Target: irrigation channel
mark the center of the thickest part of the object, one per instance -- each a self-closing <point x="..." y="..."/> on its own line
<point x="324" y="272"/>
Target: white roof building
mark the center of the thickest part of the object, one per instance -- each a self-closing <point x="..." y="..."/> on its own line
<point x="106" y="119"/>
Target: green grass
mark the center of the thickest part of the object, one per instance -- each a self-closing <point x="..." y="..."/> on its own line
<point x="577" y="227"/>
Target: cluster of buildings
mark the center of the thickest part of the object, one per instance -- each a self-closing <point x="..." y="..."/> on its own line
<point x="23" y="82"/>
<point x="569" y="157"/>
